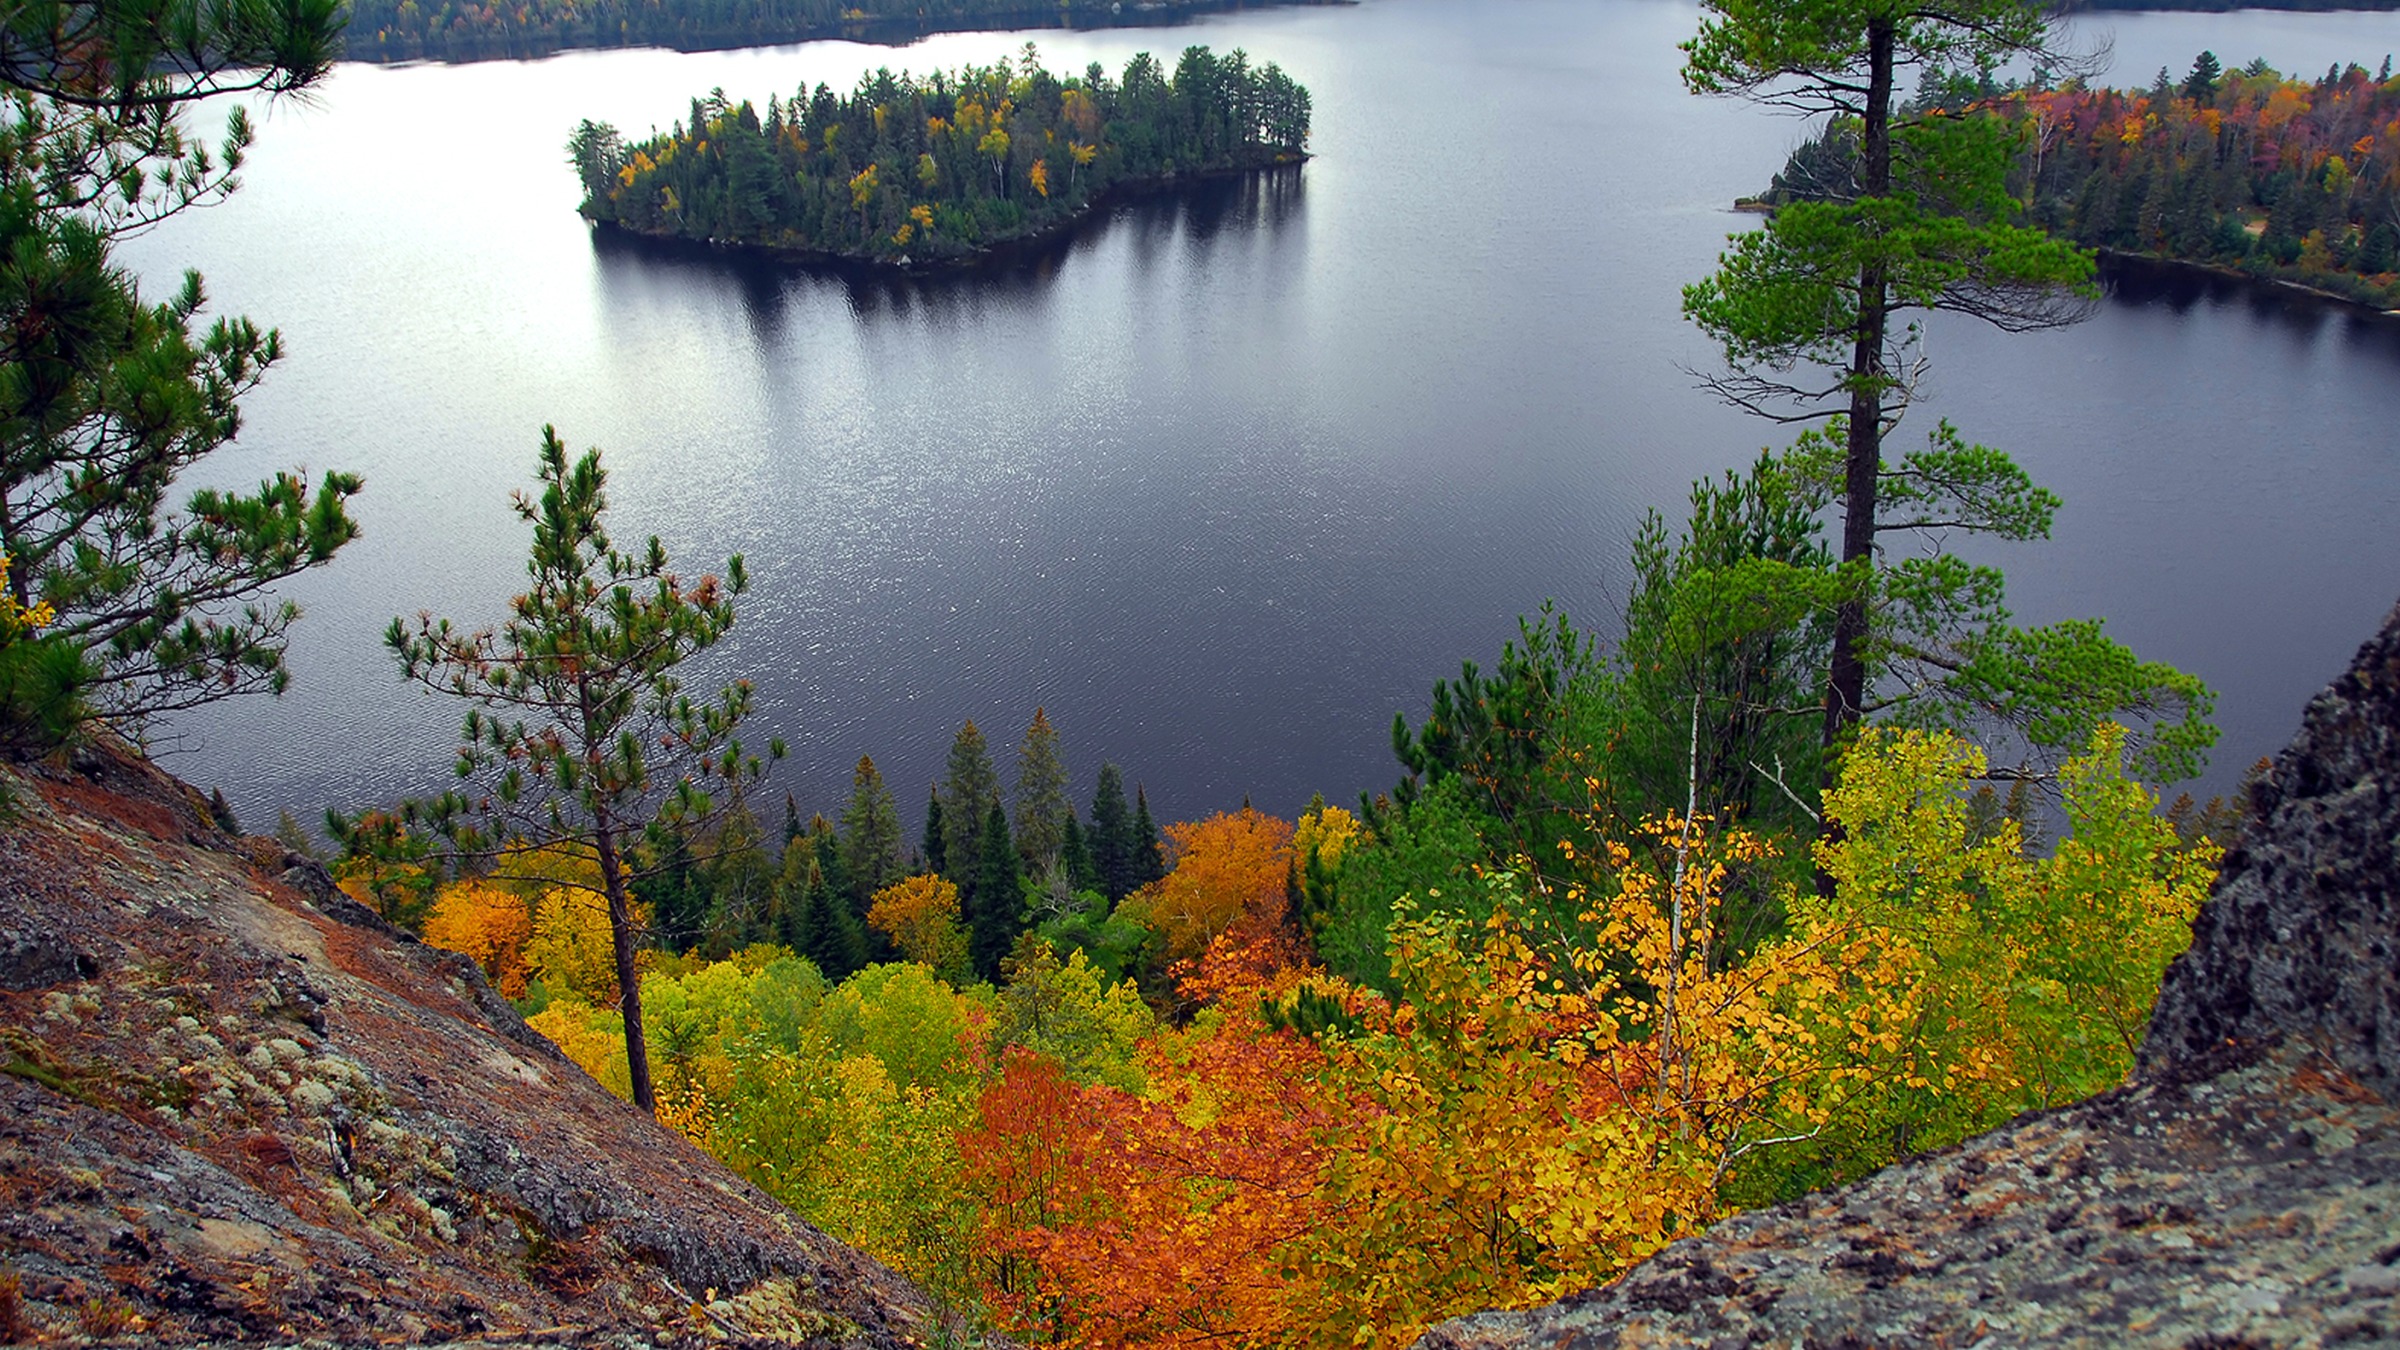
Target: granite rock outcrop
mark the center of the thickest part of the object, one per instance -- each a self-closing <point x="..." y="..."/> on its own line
<point x="237" y="1107"/>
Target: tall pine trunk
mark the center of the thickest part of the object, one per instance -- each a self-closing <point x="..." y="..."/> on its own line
<point x="629" y="980"/>
<point x="1846" y="673"/>
<point x="1846" y="682"/>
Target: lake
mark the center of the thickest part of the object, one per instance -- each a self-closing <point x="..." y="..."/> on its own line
<point x="1221" y="481"/>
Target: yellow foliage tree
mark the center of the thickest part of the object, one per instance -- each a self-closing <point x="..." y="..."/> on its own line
<point x="571" y="949"/>
<point x="920" y="915"/>
<point x="2034" y="975"/>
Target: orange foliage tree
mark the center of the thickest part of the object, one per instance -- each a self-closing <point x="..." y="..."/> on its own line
<point x="1225" y="868"/>
<point x="1160" y="1219"/>
<point x="487" y="923"/>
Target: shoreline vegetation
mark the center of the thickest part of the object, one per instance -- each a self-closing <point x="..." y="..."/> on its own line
<point x="953" y="169"/>
<point x="386" y="32"/>
<point x="2245" y="173"/>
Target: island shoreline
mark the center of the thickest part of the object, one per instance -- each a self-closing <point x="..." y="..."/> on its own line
<point x="998" y="254"/>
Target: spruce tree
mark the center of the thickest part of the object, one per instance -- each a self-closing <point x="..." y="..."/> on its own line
<point x="1111" y="838"/>
<point x="936" y="857"/>
<point x="822" y="926"/>
<point x="970" y="788"/>
<point x="992" y="908"/>
<point x="1075" y="860"/>
<point x="831" y="860"/>
<point x="737" y="876"/>
<point x="1149" y="861"/>
<point x="1042" y="807"/>
<point x="671" y="889"/>
<point x="870" y="835"/>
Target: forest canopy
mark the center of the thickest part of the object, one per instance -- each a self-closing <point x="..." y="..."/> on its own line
<point x="2293" y="179"/>
<point x="941" y="167"/>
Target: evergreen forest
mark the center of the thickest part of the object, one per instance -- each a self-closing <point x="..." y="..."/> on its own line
<point x="940" y="168"/>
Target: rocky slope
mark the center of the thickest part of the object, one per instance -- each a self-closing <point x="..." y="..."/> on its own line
<point x="236" y="1106"/>
<point x="2243" y="1190"/>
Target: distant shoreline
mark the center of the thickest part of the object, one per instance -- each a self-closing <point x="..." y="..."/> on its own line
<point x="2122" y="257"/>
<point x="363" y="49"/>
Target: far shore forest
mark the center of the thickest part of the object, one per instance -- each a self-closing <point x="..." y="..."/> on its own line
<point x="2249" y="170"/>
<point x="482" y="30"/>
<point x="940" y="167"/>
<point x="1813" y="858"/>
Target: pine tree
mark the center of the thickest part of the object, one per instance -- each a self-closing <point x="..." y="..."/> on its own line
<point x="154" y="603"/>
<point x="1149" y="861"/>
<point x="992" y="908"/>
<point x="610" y="751"/>
<point x="1042" y="806"/>
<point x="1111" y="838"/>
<point x="870" y="835"/>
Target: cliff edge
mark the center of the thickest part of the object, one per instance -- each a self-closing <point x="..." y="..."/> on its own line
<point x="236" y="1106"/>
<point x="2243" y="1190"/>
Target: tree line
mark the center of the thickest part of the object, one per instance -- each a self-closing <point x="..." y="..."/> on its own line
<point x="940" y="167"/>
<point x="464" y="30"/>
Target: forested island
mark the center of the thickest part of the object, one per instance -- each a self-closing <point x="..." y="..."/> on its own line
<point x="939" y="169"/>
<point x="2281" y="178"/>
<point x="464" y="30"/>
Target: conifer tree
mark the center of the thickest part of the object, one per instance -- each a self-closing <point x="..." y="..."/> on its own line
<point x="970" y="788"/>
<point x="1149" y="858"/>
<point x="1812" y="313"/>
<point x="671" y="889"/>
<point x="1111" y="839"/>
<point x="1928" y="228"/>
<point x="151" y="604"/>
<point x="1075" y="859"/>
<point x="870" y="835"/>
<point x="1043" y="810"/>
<point x="823" y="926"/>
<point x="937" y="856"/>
<point x="992" y="908"/>
<point x="579" y="726"/>
<point x="738" y="877"/>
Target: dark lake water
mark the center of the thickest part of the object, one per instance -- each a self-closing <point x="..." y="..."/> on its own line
<point x="1223" y="482"/>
